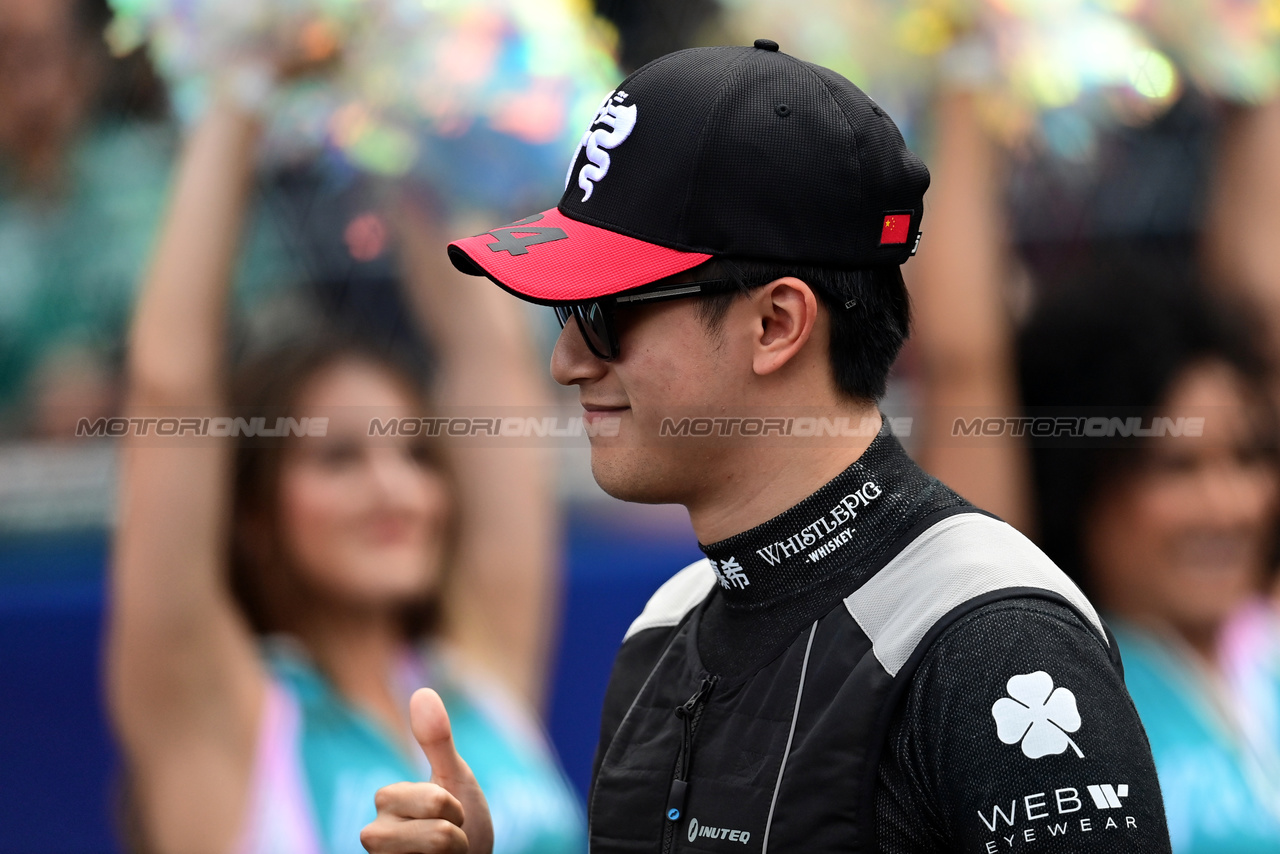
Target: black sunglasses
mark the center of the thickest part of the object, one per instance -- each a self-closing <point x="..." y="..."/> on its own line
<point x="596" y="317"/>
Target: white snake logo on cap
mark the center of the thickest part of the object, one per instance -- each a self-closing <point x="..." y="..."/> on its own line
<point x="621" y="121"/>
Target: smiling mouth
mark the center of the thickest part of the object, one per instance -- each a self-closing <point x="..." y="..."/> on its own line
<point x="594" y="412"/>
<point x="390" y="531"/>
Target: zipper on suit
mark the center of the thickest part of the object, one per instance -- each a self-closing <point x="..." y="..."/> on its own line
<point x="690" y="713"/>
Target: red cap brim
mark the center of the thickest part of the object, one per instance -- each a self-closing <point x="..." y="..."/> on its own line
<point x="549" y="258"/>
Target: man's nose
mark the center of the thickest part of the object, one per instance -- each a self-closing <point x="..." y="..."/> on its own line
<point x="572" y="362"/>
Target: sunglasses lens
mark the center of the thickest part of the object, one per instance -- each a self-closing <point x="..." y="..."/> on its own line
<point x="593" y="323"/>
<point x="596" y="328"/>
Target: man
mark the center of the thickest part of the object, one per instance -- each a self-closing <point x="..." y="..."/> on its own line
<point x="864" y="661"/>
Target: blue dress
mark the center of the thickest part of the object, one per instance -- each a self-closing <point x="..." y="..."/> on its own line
<point x="320" y="760"/>
<point x="1221" y="795"/>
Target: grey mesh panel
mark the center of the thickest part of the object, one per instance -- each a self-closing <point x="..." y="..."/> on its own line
<point x="675" y="598"/>
<point x="961" y="557"/>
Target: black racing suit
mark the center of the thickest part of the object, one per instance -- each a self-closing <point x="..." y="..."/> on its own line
<point x="882" y="667"/>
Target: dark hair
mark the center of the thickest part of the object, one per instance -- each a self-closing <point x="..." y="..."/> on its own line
<point x="1114" y="344"/>
<point x="870" y="315"/>
<point x="268" y="385"/>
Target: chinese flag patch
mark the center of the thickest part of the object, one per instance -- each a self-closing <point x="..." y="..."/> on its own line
<point x="896" y="228"/>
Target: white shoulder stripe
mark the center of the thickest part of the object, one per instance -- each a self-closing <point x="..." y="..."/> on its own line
<point x="959" y="558"/>
<point x="678" y="596"/>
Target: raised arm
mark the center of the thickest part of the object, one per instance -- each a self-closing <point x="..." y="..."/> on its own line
<point x="962" y="325"/>
<point x="1243" y="219"/>
<point x="185" y="685"/>
<point x="502" y="597"/>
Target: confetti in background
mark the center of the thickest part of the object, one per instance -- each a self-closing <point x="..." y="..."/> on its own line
<point x="1047" y="71"/>
<point x="486" y="96"/>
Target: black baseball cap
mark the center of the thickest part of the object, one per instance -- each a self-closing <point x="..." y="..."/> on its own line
<point x="743" y="152"/>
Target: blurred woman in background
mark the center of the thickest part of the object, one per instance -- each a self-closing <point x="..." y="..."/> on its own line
<point x="82" y="174"/>
<point x="1171" y="537"/>
<point x="275" y="602"/>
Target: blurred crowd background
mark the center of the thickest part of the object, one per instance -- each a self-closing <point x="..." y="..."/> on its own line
<point x="1101" y="243"/>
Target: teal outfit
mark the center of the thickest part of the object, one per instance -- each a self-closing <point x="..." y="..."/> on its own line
<point x="1220" y="795"/>
<point x="320" y="760"/>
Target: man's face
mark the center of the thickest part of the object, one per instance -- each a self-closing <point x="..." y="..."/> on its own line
<point x="670" y="366"/>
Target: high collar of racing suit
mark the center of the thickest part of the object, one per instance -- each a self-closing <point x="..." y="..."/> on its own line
<point x="780" y="576"/>
<point x="835" y="531"/>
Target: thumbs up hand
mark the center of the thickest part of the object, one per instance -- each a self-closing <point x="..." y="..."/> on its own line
<point x="448" y="815"/>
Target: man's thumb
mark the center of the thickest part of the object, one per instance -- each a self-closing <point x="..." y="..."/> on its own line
<point x="431" y="728"/>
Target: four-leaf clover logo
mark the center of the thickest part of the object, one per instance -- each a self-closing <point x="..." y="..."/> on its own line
<point x="1039" y="715"/>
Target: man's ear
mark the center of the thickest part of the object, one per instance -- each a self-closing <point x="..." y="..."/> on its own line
<point x="787" y="313"/>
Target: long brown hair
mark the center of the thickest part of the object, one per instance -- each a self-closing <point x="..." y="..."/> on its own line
<point x="268" y="385"/>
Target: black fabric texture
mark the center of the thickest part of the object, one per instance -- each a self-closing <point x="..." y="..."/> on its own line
<point x="885" y="495"/>
<point x="631" y="668"/>
<point x="940" y="780"/>
<point x="714" y="164"/>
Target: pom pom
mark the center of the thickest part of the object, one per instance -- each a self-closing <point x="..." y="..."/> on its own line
<point x="392" y="87"/>
<point x="1230" y="48"/>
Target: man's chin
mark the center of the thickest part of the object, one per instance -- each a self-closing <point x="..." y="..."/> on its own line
<point x="631" y="474"/>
